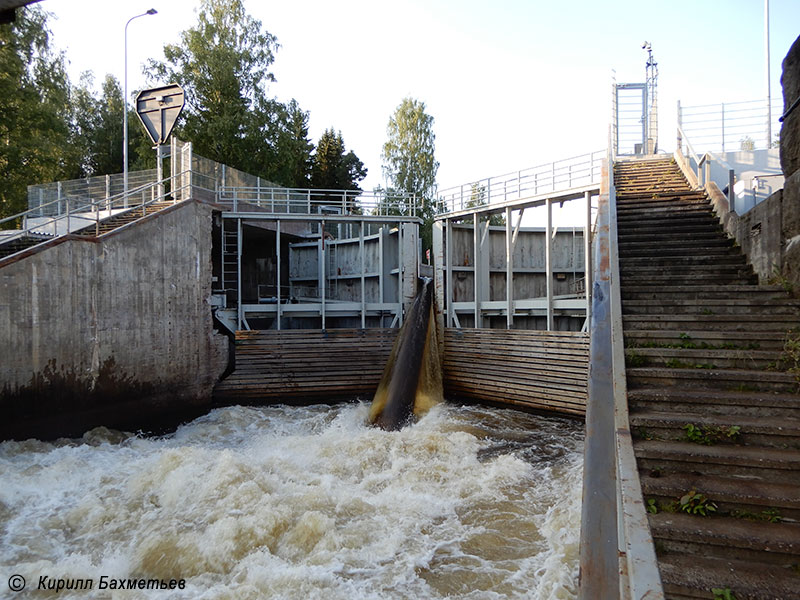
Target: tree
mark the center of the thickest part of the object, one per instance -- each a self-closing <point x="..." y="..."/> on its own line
<point x="332" y="168"/>
<point x="409" y="161"/>
<point x="223" y="65"/>
<point x="295" y="149"/>
<point x="477" y="198"/>
<point x="35" y="120"/>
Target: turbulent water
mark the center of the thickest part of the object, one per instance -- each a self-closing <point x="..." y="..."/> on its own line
<point x="288" y="502"/>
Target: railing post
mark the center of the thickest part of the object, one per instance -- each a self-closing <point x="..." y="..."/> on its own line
<point x="680" y="127"/>
<point x="723" y="127"/>
<point x="108" y="192"/>
<point x="58" y="192"/>
<point x="68" y="221"/>
<point x="731" y="193"/>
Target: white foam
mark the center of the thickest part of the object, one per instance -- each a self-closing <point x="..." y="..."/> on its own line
<point x="306" y="502"/>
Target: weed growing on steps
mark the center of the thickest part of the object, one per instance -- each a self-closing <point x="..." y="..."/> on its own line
<point x="777" y="278"/>
<point x="711" y="435"/>
<point x="674" y="363"/>
<point x="723" y="594"/>
<point x="695" y="503"/>
<point x="770" y="515"/>
<point x="791" y="354"/>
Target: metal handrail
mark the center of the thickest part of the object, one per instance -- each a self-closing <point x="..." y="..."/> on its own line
<point x="282" y="200"/>
<point x="790" y="109"/>
<point x="90" y="207"/>
<point x="617" y="552"/>
<point x="555" y="176"/>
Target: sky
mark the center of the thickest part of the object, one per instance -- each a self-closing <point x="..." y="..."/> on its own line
<point x="510" y="83"/>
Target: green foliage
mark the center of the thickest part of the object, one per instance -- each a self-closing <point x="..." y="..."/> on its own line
<point x="633" y="359"/>
<point x="695" y="503"/>
<point x="710" y="435"/>
<point x="723" y="594"/>
<point x="791" y="354"/>
<point x="770" y="515"/>
<point x="35" y="119"/>
<point x="652" y="507"/>
<point x="409" y="161"/>
<point x="223" y="63"/>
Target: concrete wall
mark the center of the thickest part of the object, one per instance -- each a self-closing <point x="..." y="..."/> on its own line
<point x="114" y="331"/>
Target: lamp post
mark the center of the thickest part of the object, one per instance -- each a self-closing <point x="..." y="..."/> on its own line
<point x="152" y="11"/>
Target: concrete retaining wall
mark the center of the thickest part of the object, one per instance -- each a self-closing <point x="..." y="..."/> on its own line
<point x="112" y="331"/>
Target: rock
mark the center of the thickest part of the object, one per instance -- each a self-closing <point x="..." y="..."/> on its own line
<point x="790" y="130"/>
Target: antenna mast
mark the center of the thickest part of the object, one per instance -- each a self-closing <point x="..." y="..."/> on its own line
<point x="652" y="100"/>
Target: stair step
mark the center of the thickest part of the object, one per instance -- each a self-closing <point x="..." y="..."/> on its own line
<point x="714" y="378"/>
<point x="678" y="400"/>
<point x="731" y="495"/>
<point x="658" y="236"/>
<point x="686" y="576"/>
<point x="723" y="359"/>
<point x="770" y="304"/>
<point x="703" y="291"/>
<point x="772" y="432"/>
<point x="730" y="323"/>
<point x="658" y="457"/>
<point x="743" y="340"/>
<point x="703" y="261"/>
<point x="777" y="544"/>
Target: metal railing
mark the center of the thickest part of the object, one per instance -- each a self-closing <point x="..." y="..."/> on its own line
<point x="67" y="215"/>
<point x="312" y="201"/>
<point x="557" y="176"/>
<point x="698" y="168"/>
<point x="730" y="126"/>
<point x="617" y="552"/>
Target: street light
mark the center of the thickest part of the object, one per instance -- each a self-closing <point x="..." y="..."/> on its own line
<point x="152" y="11"/>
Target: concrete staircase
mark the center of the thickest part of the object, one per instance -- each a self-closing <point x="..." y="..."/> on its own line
<point x="714" y="401"/>
<point x="124" y="218"/>
<point x="109" y="224"/>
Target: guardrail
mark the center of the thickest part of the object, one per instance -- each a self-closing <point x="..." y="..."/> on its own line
<point x="617" y="553"/>
<point x="702" y="166"/>
<point x="310" y="201"/>
<point x="557" y="176"/>
<point x="73" y="214"/>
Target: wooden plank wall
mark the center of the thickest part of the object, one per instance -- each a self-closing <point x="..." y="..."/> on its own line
<point x="297" y="364"/>
<point x="536" y="369"/>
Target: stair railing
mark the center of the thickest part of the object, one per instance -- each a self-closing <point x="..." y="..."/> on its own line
<point x="86" y="213"/>
<point x="700" y="176"/>
<point x="617" y="552"/>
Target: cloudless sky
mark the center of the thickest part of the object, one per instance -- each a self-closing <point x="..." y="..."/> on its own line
<point x="510" y="83"/>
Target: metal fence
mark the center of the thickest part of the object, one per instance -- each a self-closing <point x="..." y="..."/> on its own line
<point x="731" y="126"/>
<point x="308" y="201"/>
<point x="556" y="176"/>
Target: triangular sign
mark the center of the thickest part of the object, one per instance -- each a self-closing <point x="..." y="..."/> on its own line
<point x="159" y="109"/>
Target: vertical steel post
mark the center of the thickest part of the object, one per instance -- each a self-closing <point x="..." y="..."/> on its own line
<point x="509" y="272"/>
<point x="60" y="207"/>
<point x="240" y="311"/>
<point x="587" y="256"/>
<point x="363" y="283"/>
<point x="548" y="267"/>
<point x="381" y="278"/>
<point x="476" y="261"/>
<point x="321" y="271"/>
<point x="400" y="270"/>
<point x="278" y="272"/>
<point x="723" y="127"/>
<point x="449" y="271"/>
